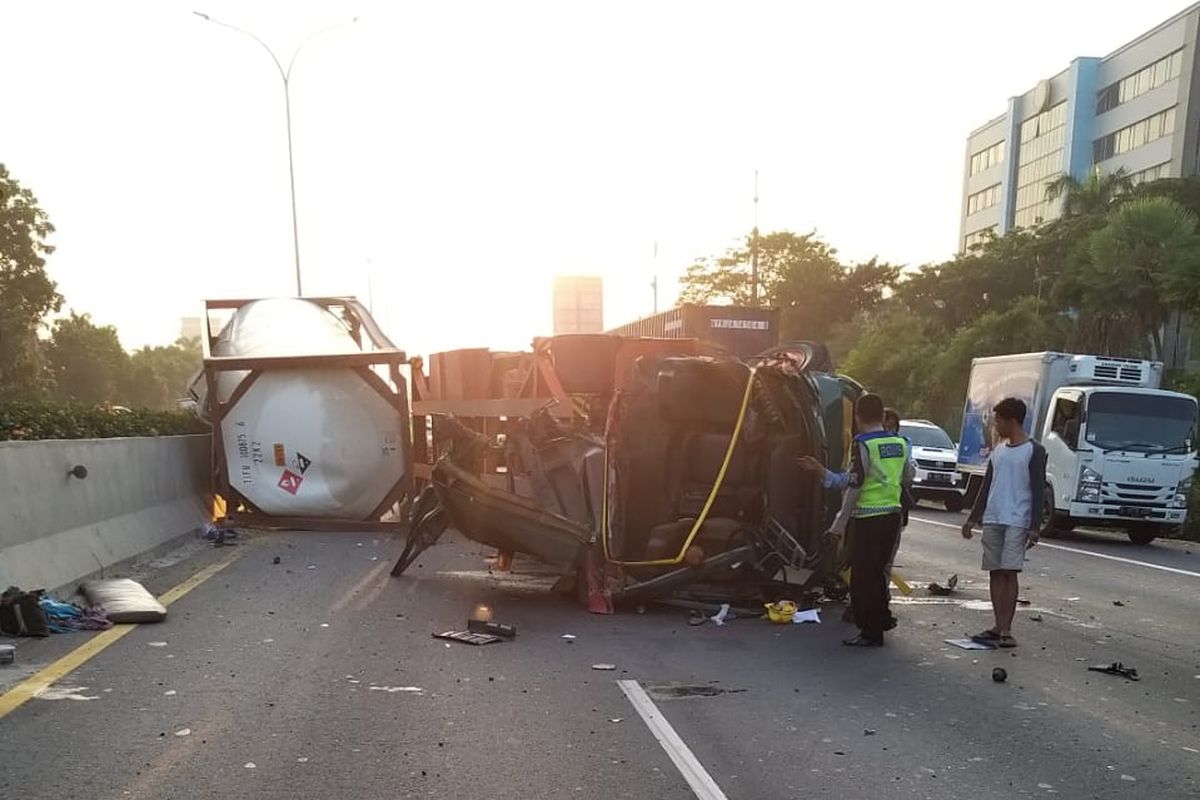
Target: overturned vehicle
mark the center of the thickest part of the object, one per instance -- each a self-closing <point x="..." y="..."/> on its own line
<point x="661" y="469"/>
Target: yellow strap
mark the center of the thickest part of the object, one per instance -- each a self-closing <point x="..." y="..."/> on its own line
<point x="712" y="495"/>
<point x="901" y="584"/>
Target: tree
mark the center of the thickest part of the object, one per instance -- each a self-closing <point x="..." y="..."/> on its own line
<point x="800" y="275"/>
<point x="87" y="361"/>
<point x="892" y="357"/>
<point x="1142" y="265"/>
<point x="27" y="294"/>
<point x="1093" y="195"/>
<point x="1023" y="327"/>
<point x="158" y="376"/>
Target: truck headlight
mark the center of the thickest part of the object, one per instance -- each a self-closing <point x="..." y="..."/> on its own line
<point x="1183" y="492"/>
<point x="1089" y="486"/>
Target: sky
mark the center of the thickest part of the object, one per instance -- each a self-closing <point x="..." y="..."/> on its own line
<point x="452" y="157"/>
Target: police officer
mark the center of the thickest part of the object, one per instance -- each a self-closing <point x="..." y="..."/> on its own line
<point x="880" y="468"/>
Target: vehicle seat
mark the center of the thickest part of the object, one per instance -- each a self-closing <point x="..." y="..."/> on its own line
<point x="701" y="456"/>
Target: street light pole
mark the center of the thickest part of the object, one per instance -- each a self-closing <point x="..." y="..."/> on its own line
<point x="286" y="76"/>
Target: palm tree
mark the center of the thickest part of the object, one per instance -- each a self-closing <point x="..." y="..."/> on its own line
<point x="1093" y="195"/>
<point x="1141" y="266"/>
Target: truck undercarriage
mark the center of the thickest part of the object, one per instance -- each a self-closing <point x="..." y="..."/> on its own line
<point x="681" y="479"/>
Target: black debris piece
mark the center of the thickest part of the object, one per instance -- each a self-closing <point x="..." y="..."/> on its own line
<point x="938" y="590"/>
<point x="1116" y="668"/>
<point x="466" y="637"/>
<point x="492" y="628"/>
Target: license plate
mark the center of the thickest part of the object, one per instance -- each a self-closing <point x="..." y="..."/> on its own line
<point x="935" y="477"/>
<point x="1135" y="511"/>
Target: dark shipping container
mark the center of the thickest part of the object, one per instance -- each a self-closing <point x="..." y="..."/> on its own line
<point x="739" y="330"/>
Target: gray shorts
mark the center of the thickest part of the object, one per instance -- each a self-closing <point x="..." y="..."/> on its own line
<point x="1004" y="547"/>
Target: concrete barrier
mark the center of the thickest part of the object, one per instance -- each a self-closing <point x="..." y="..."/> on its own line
<point x="139" y="493"/>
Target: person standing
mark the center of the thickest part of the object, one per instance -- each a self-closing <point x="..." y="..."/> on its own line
<point x="1010" y="507"/>
<point x="880" y="467"/>
<point x="891" y="423"/>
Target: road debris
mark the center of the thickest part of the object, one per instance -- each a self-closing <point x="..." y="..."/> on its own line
<point x="183" y="732"/>
<point x="604" y="667"/>
<point x="616" y="720"/>
<point x="395" y="689"/>
<point x="868" y="731"/>
<point x="999" y="674"/>
<point x="8" y="654"/>
<point x="970" y="644"/>
<point x="1116" y="668"/>
<point x="697" y="618"/>
<point x="807" y="615"/>
<point x="493" y="628"/>
<point x="466" y="637"/>
<point x="251" y="765"/>
<point x="937" y="590"/>
<point x="1021" y="601"/>
<point x="60" y="692"/>
<point x="1035" y="618"/>
<point x="276" y="560"/>
<point x="1118" y="604"/>
<point x="781" y="611"/>
<point x="723" y="615"/>
<point x="124" y="601"/>
<point x="568" y="637"/>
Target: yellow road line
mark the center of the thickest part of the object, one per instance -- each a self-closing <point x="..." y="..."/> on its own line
<point x="171" y="595"/>
<point x="362" y="585"/>
<point x="29" y="688"/>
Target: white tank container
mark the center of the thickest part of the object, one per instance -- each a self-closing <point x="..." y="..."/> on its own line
<point x="306" y="442"/>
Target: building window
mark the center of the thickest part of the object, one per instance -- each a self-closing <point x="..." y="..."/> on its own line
<point x="984" y="199"/>
<point x="1155" y="173"/>
<point x="1039" y="160"/>
<point x="977" y="238"/>
<point x="1134" y="136"/>
<point x="987" y="158"/>
<point x="1160" y="72"/>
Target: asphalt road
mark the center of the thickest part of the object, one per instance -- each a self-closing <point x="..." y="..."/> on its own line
<point x="318" y="678"/>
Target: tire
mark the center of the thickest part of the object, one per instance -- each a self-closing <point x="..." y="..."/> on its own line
<point x="1142" y="536"/>
<point x="1052" y="522"/>
<point x="954" y="503"/>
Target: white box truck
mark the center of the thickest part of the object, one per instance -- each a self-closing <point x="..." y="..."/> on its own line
<point x="1121" y="451"/>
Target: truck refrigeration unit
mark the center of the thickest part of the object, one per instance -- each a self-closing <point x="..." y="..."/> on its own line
<point x="1121" y="452"/>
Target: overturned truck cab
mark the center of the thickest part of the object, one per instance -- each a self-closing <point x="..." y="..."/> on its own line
<point x="675" y="474"/>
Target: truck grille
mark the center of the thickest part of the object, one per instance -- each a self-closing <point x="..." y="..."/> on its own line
<point x="927" y="463"/>
<point x="1135" y="494"/>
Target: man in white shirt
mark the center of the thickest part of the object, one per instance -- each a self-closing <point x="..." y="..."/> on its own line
<point x="1010" y="507"/>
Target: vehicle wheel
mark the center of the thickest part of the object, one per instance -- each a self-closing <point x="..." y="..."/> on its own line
<point x="1052" y="522"/>
<point x="1142" y="536"/>
<point x="954" y="503"/>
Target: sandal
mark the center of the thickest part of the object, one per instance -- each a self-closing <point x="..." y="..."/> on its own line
<point x="990" y="636"/>
<point x="1006" y="641"/>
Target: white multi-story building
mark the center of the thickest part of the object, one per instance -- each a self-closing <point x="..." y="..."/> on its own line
<point x="1136" y="108"/>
